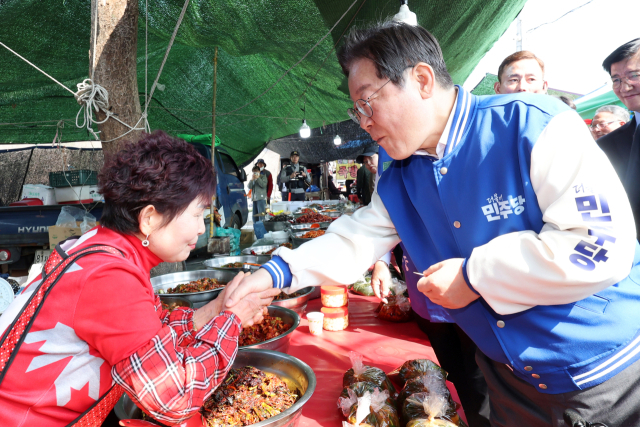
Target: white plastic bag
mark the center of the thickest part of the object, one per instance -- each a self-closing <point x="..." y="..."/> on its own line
<point x="88" y="222"/>
<point x="69" y="215"/>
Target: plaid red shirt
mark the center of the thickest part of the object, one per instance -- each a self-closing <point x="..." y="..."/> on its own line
<point x="172" y="375"/>
<point x="102" y="323"/>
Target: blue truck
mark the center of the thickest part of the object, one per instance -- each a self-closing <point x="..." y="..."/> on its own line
<point x="24" y="230"/>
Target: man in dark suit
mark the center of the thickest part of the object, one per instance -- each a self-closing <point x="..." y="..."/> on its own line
<point x="622" y="146"/>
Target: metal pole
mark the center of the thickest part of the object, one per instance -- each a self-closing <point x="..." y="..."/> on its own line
<point x="519" y="35"/>
<point x="213" y="137"/>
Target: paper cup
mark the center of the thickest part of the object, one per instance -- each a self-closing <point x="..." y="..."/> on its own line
<point x="315" y="319"/>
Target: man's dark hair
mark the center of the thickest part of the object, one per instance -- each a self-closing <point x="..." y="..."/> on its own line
<point x="255" y="169"/>
<point x="625" y="51"/>
<point x="393" y="47"/>
<point x="518" y="56"/>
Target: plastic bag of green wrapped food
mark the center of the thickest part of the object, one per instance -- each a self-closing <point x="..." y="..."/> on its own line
<point x="361" y="372"/>
<point x="360" y="388"/>
<point x="432" y="380"/>
<point x="397" y="308"/>
<point x="415" y="368"/>
<point x="370" y="409"/>
<point x="431" y="409"/>
<point x="363" y="287"/>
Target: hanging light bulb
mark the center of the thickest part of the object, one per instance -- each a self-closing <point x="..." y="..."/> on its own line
<point x="337" y="140"/>
<point x="305" y="130"/>
<point x="405" y="15"/>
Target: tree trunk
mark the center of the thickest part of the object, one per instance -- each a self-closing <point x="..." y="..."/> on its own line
<point x="115" y="69"/>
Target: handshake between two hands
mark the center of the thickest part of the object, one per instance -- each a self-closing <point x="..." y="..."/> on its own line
<point x="247" y="296"/>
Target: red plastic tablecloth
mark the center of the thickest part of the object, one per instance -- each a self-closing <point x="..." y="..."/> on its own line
<point x="384" y="345"/>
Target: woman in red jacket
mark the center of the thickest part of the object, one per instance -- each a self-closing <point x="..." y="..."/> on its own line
<point x="101" y="322"/>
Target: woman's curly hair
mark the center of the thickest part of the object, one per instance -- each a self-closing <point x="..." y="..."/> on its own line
<point x="158" y="170"/>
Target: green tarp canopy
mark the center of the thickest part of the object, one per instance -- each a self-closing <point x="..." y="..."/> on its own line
<point x="587" y="108"/>
<point x="260" y="96"/>
<point x="200" y="139"/>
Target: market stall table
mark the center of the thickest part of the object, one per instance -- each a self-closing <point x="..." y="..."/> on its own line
<point x="384" y="345"/>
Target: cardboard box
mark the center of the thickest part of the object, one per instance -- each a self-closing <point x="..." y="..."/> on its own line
<point x="247" y="237"/>
<point x="39" y="191"/>
<point x="59" y="234"/>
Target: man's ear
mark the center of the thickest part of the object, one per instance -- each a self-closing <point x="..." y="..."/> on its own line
<point x="496" y="88"/>
<point x="423" y="74"/>
<point x="545" y="86"/>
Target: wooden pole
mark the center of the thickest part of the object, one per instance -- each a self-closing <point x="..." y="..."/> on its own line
<point x="114" y="34"/>
<point x="213" y="135"/>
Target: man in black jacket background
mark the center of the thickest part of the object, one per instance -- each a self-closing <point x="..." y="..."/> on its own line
<point x="622" y="146"/>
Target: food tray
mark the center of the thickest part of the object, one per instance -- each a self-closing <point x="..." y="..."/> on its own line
<point x="198" y="299"/>
<point x="282" y="342"/>
<point x="218" y="262"/>
<point x="297" y="304"/>
<point x="73" y="178"/>
<point x="294" y="372"/>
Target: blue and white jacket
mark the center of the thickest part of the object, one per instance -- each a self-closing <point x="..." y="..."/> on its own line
<point x="525" y="196"/>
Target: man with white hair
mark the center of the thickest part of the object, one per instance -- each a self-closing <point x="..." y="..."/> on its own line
<point x="607" y="119"/>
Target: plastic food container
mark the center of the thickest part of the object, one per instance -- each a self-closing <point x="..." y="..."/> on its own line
<point x="316" y="322"/>
<point x="335" y="319"/>
<point x="334" y="296"/>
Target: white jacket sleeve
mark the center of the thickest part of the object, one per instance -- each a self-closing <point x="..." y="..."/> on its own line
<point x="588" y="239"/>
<point x="350" y="246"/>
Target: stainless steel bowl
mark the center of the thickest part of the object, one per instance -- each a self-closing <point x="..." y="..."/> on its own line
<point x="259" y="250"/>
<point x="333" y="214"/>
<point x="281" y="342"/>
<point x="294" y="372"/>
<point x="218" y="262"/>
<point x="275" y="225"/>
<point x="297" y="227"/>
<point x="297" y="240"/>
<point x="297" y="304"/>
<point x="198" y="299"/>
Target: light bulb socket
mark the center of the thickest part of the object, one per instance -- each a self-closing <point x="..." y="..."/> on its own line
<point x="406" y="16"/>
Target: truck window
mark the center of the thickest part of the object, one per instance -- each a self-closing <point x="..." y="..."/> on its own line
<point x="229" y="165"/>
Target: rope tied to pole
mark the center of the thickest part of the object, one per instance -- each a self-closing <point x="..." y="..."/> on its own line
<point x="94" y="98"/>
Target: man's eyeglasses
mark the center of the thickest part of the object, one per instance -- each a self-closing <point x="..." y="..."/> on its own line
<point x="596" y="126"/>
<point x="363" y="107"/>
<point x="631" y="78"/>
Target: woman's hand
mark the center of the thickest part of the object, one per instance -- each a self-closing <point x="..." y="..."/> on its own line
<point x="259" y="282"/>
<point x="207" y="312"/>
<point x="212" y="309"/>
<point x="381" y="280"/>
<point x="250" y="305"/>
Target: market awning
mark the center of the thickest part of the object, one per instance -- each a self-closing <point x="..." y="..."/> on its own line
<point x="261" y="90"/>
<point x="587" y="107"/>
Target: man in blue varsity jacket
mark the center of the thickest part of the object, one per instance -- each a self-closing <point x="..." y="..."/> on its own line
<point x="514" y="216"/>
